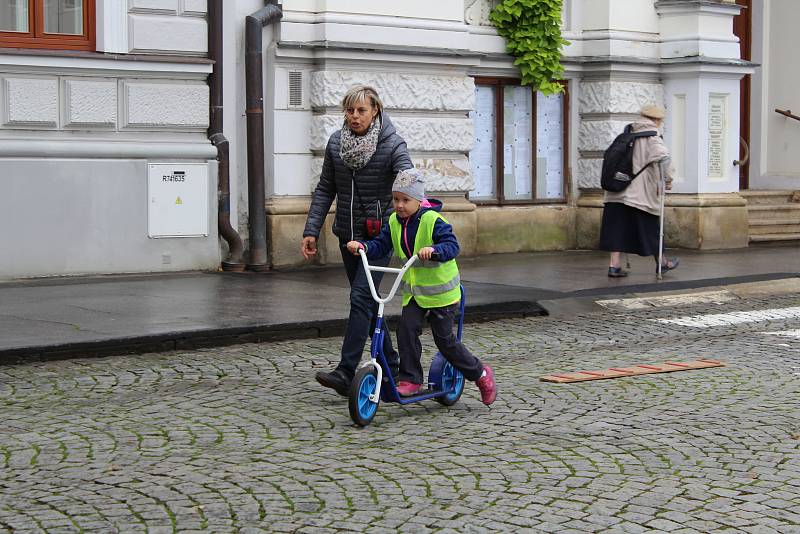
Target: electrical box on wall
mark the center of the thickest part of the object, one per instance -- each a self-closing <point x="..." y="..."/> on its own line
<point x="178" y="200"/>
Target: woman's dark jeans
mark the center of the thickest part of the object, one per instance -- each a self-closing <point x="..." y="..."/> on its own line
<point x="363" y="309"/>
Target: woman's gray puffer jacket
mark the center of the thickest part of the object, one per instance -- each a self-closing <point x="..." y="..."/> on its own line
<point x="372" y="194"/>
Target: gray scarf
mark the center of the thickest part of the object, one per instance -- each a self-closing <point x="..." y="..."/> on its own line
<point x="356" y="150"/>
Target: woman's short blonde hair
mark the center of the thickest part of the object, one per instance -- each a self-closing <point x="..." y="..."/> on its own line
<point x="362" y="92"/>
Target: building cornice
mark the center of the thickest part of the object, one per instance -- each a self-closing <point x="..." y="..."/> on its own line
<point x="64" y="60"/>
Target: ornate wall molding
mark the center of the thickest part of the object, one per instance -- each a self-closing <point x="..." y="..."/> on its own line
<point x="477" y="12"/>
<point x="594" y="136"/>
<point x="421" y="134"/>
<point x="618" y="97"/>
<point x="597" y="135"/>
<point x="446" y="174"/>
<point x="588" y="172"/>
<point x="397" y="90"/>
<point x="441" y="174"/>
<point x="64" y="103"/>
<point x="438" y="141"/>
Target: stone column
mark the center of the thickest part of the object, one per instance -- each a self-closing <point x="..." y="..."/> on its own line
<point x="701" y="70"/>
<point x="607" y="102"/>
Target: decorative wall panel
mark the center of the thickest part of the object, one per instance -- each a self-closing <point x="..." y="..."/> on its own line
<point x="32" y="101"/>
<point x="91" y="103"/>
<point x="168" y="34"/>
<point x="167" y="105"/>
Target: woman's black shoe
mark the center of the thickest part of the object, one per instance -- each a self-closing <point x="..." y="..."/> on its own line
<point x="335" y="380"/>
<point x="616" y="272"/>
<point x="670" y="264"/>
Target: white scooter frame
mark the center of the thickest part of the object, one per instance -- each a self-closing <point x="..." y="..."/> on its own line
<point x="381" y="304"/>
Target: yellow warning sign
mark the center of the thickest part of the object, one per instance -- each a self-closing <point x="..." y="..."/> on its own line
<point x="178" y="200"/>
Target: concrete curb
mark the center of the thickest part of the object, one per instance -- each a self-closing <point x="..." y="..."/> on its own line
<point x="218" y="337"/>
<point x="565" y="305"/>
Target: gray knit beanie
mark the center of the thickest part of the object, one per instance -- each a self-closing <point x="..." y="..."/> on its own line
<point x="410" y="182"/>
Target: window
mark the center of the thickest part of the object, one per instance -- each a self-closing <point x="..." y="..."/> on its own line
<point x="61" y="24"/>
<point x="520" y="150"/>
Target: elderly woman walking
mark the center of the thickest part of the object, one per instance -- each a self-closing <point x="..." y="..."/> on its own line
<point x="631" y="220"/>
<point x="361" y="162"/>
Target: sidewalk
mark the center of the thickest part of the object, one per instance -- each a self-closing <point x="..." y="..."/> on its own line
<point x="54" y="318"/>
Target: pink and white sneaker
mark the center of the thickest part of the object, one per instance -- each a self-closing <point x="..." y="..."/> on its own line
<point x="487" y="386"/>
<point x="408" y="389"/>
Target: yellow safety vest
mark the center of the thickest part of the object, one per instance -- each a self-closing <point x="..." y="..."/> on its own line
<point x="432" y="284"/>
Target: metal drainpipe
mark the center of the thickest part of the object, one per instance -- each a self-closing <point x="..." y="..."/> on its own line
<point x="215" y="129"/>
<point x="254" y="87"/>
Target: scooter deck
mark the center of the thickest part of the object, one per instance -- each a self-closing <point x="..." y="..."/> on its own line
<point x="425" y="394"/>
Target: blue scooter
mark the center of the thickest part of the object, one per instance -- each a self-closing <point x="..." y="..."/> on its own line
<point x="374" y="382"/>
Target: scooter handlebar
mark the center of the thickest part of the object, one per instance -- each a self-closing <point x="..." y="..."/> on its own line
<point x="399" y="272"/>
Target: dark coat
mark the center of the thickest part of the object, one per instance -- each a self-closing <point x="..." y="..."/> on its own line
<point x="371" y="195"/>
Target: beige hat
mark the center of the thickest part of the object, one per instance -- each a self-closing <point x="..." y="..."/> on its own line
<point x="653" y="111"/>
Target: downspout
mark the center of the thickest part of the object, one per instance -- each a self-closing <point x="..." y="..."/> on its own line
<point x="254" y="87"/>
<point x="215" y="129"/>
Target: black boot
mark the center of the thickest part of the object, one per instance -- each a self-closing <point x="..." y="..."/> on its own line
<point x="336" y="380"/>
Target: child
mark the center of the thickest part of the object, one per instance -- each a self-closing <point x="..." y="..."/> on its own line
<point x="430" y="287"/>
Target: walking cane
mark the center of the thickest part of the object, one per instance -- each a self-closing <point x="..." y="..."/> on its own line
<point x="661" y="217"/>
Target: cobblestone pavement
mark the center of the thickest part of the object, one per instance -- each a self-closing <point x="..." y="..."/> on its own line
<point x="242" y="439"/>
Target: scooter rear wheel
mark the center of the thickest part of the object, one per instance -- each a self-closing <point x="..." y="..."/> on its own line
<point x="447" y="378"/>
<point x="362" y="409"/>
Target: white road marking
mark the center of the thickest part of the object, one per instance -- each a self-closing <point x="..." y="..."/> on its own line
<point x="732" y="318"/>
<point x="785" y="333"/>
<point x="659" y="301"/>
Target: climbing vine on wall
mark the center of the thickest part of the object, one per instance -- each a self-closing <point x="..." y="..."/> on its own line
<point x="532" y="29"/>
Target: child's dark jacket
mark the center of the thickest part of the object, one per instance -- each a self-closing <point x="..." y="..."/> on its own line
<point x="445" y="242"/>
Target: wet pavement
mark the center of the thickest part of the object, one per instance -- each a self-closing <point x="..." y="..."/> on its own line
<point x="53" y="318"/>
<point x="241" y="439"/>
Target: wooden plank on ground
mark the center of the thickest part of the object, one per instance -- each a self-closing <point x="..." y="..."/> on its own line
<point x="635" y="370"/>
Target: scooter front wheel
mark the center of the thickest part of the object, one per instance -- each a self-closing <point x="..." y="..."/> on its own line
<point x="364" y="385"/>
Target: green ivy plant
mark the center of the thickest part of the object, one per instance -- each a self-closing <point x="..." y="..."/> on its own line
<point x="532" y="29"/>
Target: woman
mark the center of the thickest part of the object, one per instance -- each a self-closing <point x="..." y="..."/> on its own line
<point x="631" y="217"/>
<point x="361" y="162"/>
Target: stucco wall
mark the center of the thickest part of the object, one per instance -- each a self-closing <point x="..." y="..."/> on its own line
<point x="77" y="133"/>
<point x="80" y="216"/>
<point x="168" y="26"/>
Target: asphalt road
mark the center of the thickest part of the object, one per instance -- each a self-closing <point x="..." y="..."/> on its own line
<point x="241" y="438"/>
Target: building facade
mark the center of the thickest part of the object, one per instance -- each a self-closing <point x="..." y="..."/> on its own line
<point x="90" y="140"/>
<point x="102" y="106"/>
